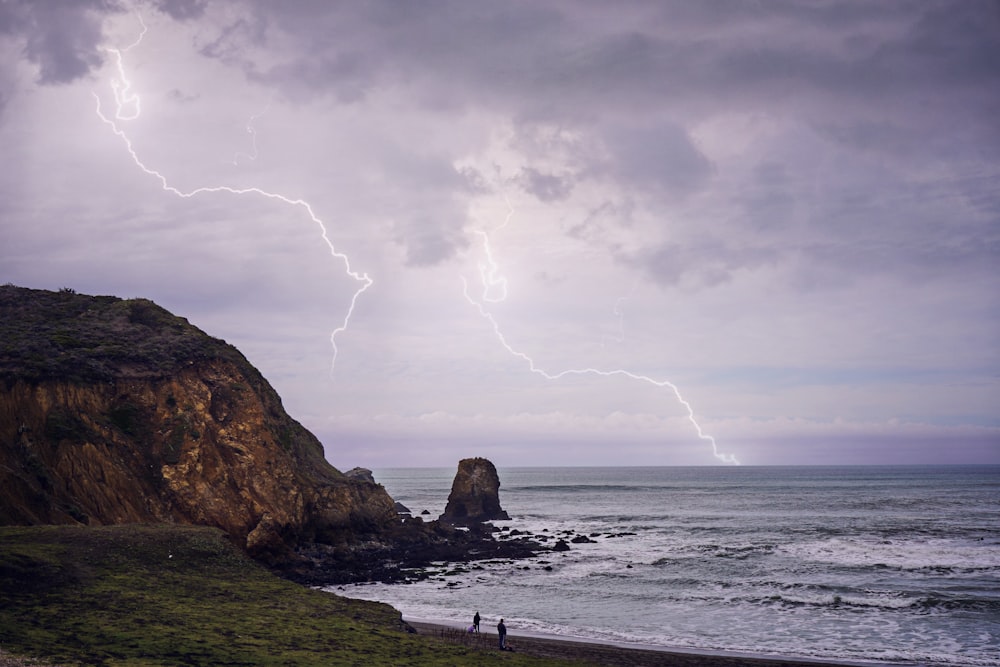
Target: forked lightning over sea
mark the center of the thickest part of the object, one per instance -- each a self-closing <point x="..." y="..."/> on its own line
<point x="494" y="285"/>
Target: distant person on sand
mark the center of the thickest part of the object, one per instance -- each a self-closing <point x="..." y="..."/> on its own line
<point x="502" y="634"/>
<point x="475" y="621"/>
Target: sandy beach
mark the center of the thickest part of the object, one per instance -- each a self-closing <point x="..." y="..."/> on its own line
<point x="599" y="653"/>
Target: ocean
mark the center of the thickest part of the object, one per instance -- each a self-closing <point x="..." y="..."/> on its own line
<point x="895" y="564"/>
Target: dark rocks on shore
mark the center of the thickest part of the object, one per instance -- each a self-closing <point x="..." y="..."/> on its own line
<point x="402" y="554"/>
<point x="475" y="494"/>
<point x="406" y="552"/>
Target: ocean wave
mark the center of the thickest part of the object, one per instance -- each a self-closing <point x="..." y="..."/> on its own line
<point x="951" y="604"/>
<point x="830" y="600"/>
<point x="930" y="555"/>
<point x="733" y="552"/>
<point x="925" y="605"/>
<point x="889" y="565"/>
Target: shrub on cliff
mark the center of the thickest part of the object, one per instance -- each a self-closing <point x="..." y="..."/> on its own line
<point x="75" y="337"/>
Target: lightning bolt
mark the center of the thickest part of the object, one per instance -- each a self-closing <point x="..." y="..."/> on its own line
<point x="128" y="107"/>
<point x="122" y="87"/>
<point x="252" y="131"/>
<point x="489" y="271"/>
<point x="489" y="274"/>
<point x="619" y="313"/>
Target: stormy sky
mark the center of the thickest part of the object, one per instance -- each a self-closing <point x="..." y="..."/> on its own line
<point x="547" y="216"/>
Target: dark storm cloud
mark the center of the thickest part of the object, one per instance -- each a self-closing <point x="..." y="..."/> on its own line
<point x="824" y="164"/>
<point x="546" y="187"/>
<point x="345" y="76"/>
<point x="182" y="10"/>
<point x="951" y="42"/>
<point x="660" y="158"/>
<point x="600" y="67"/>
<point x="61" y="37"/>
<point x="856" y="46"/>
<point x="904" y="81"/>
<point x="768" y="203"/>
<point x="347" y="50"/>
<point x="572" y="58"/>
<point x="584" y="63"/>
<point x="231" y="41"/>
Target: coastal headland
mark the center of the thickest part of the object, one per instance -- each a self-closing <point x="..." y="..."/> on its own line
<point x="117" y="411"/>
<point x="159" y="507"/>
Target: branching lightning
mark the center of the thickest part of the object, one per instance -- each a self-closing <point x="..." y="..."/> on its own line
<point x="620" y="314"/>
<point x="252" y="131"/>
<point x="494" y="285"/>
<point x="122" y="87"/>
<point x="489" y="270"/>
<point x="492" y="281"/>
<point x="128" y="107"/>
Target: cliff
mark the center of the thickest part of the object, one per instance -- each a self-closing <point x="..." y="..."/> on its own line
<point x="116" y="411"/>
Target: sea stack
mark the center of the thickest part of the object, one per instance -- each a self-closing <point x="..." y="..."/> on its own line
<point x="475" y="494"/>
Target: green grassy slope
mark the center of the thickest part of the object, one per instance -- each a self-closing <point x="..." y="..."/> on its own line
<point x="169" y="595"/>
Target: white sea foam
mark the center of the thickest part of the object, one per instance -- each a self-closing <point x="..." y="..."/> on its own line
<point x="903" y="553"/>
<point x="893" y="564"/>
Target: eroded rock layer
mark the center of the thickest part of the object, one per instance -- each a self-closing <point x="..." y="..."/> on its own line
<point x="116" y="411"/>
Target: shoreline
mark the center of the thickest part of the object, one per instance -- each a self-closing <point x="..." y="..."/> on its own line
<point x="603" y="652"/>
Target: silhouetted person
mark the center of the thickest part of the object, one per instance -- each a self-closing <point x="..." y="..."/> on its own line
<point x="502" y="634"/>
<point x="475" y="621"/>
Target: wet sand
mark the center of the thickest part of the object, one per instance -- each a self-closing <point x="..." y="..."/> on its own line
<point x="598" y="653"/>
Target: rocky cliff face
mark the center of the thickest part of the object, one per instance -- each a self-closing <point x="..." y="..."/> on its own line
<point x="115" y="411"/>
<point x="475" y="493"/>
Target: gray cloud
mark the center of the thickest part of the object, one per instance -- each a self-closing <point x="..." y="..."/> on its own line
<point x="951" y="42"/>
<point x="599" y="221"/>
<point x="659" y="158"/>
<point x="770" y="184"/>
<point x="768" y="203"/>
<point x="427" y="241"/>
<point x="546" y="187"/>
<point x="426" y="196"/>
<point x="61" y="37"/>
<point x="705" y="264"/>
<point x="576" y="63"/>
<point x="182" y="10"/>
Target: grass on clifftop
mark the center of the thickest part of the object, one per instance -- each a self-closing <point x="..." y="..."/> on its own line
<point x="79" y="338"/>
<point x="170" y="595"/>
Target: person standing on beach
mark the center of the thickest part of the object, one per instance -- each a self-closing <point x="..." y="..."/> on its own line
<point x="475" y="621"/>
<point x="502" y="635"/>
